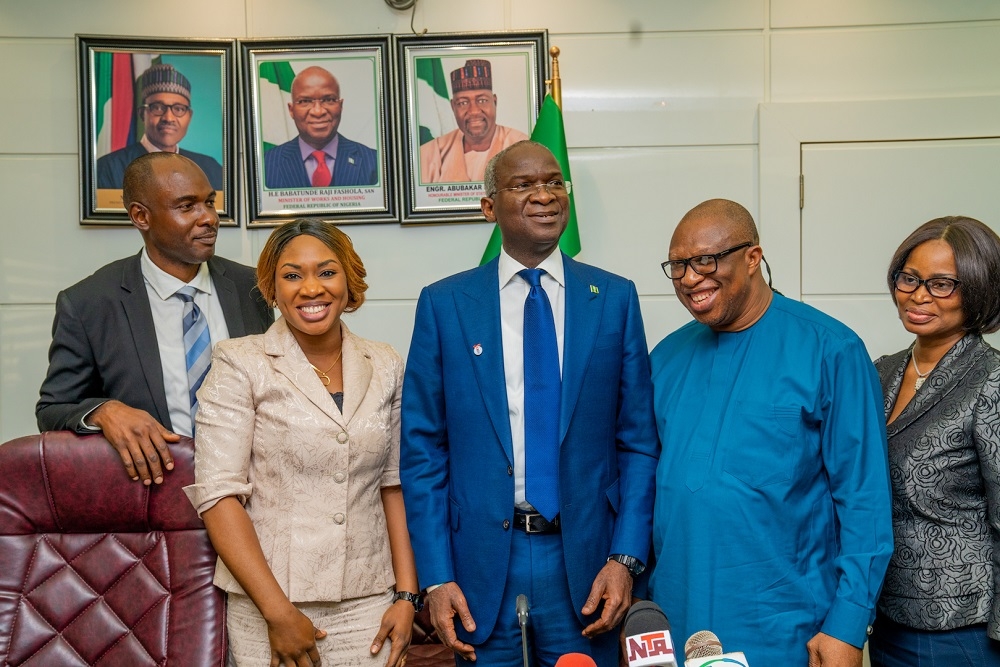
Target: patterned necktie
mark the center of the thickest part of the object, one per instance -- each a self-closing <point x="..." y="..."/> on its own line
<point x="197" y="344"/>
<point x="542" y="387"/>
<point x="322" y="175"/>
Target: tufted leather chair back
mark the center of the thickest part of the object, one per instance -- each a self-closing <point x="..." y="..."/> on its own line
<point x="96" y="569"/>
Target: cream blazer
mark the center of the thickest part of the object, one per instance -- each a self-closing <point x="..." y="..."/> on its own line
<point x="269" y="433"/>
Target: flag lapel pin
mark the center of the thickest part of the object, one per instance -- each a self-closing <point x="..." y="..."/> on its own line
<point x="350" y="160"/>
<point x="477" y="349"/>
<point x="594" y="290"/>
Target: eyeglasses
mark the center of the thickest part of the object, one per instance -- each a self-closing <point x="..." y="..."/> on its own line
<point x="305" y="103"/>
<point x="159" y="108"/>
<point x="482" y="102"/>
<point x="940" y="288"/>
<point x="703" y="265"/>
<point x="555" y="187"/>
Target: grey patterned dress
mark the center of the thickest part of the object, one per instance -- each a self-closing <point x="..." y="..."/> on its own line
<point x="944" y="463"/>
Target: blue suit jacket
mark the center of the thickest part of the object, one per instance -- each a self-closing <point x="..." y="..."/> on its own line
<point x="355" y="164"/>
<point x="456" y="452"/>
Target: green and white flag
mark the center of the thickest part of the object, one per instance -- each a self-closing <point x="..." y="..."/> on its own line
<point x="433" y="100"/>
<point x="276" y="124"/>
<point x="549" y="132"/>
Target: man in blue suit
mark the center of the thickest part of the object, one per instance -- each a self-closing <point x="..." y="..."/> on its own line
<point x="528" y="446"/>
<point x="319" y="157"/>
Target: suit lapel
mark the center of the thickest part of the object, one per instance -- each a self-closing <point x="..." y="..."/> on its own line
<point x="478" y="309"/>
<point x="357" y="374"/>
<point x="289" y="360"/>
<point x="949" y="373"/>
<point x="584" y="307"/>
<point x="229" y="299"/>
<point x="139" y="315"/>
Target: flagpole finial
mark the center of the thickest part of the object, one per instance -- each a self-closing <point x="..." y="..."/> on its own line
<point x="555" y="83"/>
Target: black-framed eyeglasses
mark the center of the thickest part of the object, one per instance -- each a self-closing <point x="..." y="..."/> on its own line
<point x="159" y="108"/>
<point x="703" y="265"/>
<point x="940" y="288"/>
<point x="555" y="187"/>
<point x="325" y="102"/>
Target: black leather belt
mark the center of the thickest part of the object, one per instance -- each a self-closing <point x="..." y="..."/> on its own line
<point x="534" y="523"/>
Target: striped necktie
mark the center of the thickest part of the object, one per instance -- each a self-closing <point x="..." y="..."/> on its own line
<point x="542" y="389"/>
<point x="197" y="344"/>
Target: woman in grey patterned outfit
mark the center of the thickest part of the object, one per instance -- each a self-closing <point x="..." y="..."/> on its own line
<point x="939" y="603"/>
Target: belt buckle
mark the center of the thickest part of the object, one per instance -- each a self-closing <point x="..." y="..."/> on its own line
<point x="527" y="522"/>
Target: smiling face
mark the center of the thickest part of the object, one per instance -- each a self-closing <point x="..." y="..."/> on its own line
<point x="532" y="223"/>
<point x="476" y="114"/>
<point x="166" y="131"/>
<point x="310" y="288"/>
<point x="316" y="114"/>
<point x="176" y="216"/>
<point x="931" y="318"/>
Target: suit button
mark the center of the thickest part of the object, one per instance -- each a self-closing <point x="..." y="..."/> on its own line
<point x="338" y="518"/>
<point x="506" y="524"/>
<point x="510" y="470"/>
<point x="339" y="477"/>
<point x="342" y="437"/>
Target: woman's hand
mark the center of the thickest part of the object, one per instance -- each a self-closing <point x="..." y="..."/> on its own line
<point x="293" y="640"/>
<point x="397" y="626"/>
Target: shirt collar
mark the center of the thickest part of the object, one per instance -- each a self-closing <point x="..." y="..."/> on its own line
<point x="330" y="149"/>
<point x="165" y="285"/>
<point x="552" y="265"/>
<point x="150" y="148"/>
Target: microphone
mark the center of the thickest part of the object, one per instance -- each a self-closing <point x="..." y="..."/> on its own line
<point x="575" y="660"/>
<point x="522" y="619"/>
<point x="703" y="649"/>
<point x="647" y="636"/>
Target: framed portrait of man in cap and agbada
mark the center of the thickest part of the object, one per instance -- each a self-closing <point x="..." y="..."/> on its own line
<point x="141" y="96"/>
<point x="463" y="99"/>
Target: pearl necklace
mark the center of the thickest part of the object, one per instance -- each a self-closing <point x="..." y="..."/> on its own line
<point x="920" y="376"/>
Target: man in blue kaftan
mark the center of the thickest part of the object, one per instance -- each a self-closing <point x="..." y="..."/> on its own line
<point x="772" y="523"/>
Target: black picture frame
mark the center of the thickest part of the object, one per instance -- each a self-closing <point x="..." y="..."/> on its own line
<point x="113" y="125"/>
<point x="278" y="174"/>
<point x="437" y="188"/>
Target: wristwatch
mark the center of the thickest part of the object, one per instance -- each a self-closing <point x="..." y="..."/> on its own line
<point x="631" y="563"/>
<point x="412" y="598"/>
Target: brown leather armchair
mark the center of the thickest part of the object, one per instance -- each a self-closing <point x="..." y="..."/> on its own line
<point x="96" y="569"/>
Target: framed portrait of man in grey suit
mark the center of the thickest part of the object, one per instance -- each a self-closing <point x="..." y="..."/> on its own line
<point x="318" y="130"/>
<point x="141" y="96"/>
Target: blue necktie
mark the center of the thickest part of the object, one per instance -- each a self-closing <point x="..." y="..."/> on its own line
<point x="197" y="345"/>
<point x="542" y="387"/>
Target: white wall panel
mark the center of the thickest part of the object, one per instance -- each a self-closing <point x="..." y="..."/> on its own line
<point x="664" y="89"/>
<point x="814" y="13"/>
<point x="24" y="346"/>
<point x="39" y="102"/>
<point x="65" y="18"/>
<point x="885" y="63"/>
<point x="387" y="321"/>
<point x="637" y="16"/>
<point x="630" y="200"/>
<point x="857" y="214"/>
<point x="353" y="17"/>
<point x="662" y="315"/>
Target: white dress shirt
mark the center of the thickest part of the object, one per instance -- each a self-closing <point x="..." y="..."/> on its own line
<point x="513" y="292"/>
<point x="168" y="313"/>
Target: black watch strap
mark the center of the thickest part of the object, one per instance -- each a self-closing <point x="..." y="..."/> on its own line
<point x="634" y="566"/>
<point x="412" y="598"/>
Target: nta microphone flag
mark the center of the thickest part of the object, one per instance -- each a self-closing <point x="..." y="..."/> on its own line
<point x="550" y="133"/>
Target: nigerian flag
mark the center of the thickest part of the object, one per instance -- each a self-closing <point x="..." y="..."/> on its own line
<point x="550" y="133"/>
<point x="276" y="124"/>
<point x="433" y="100"/>
<point x="115" y="98"/>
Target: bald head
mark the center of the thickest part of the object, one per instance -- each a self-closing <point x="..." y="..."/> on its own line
<point x="724" y="214"/>
<point x="140" y="179"/>
<point x="316" y="106"/>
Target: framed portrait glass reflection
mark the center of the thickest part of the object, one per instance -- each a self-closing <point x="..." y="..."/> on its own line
<point x="463" y="98"/>
<point x="318" y="131"/>
<point x="145" y="95"/>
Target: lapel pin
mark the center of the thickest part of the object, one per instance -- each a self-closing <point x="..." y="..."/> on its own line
<point x="477" y="349"/>
<point x="350" y="160"/>
<point x="594" y="290"/>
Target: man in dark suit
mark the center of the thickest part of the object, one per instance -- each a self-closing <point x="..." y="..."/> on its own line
<point x="165" y="114"/>
<point x="319" y="157"/>
<point x="528" y="444"/>
<point x="117" y="363"/>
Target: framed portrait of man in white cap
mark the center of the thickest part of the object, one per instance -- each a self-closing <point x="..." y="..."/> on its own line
<point x="141" y="96"/>
<point x="463" y="99"/>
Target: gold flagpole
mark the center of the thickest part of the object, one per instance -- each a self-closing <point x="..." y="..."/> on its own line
<point x="555" y="83"/>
